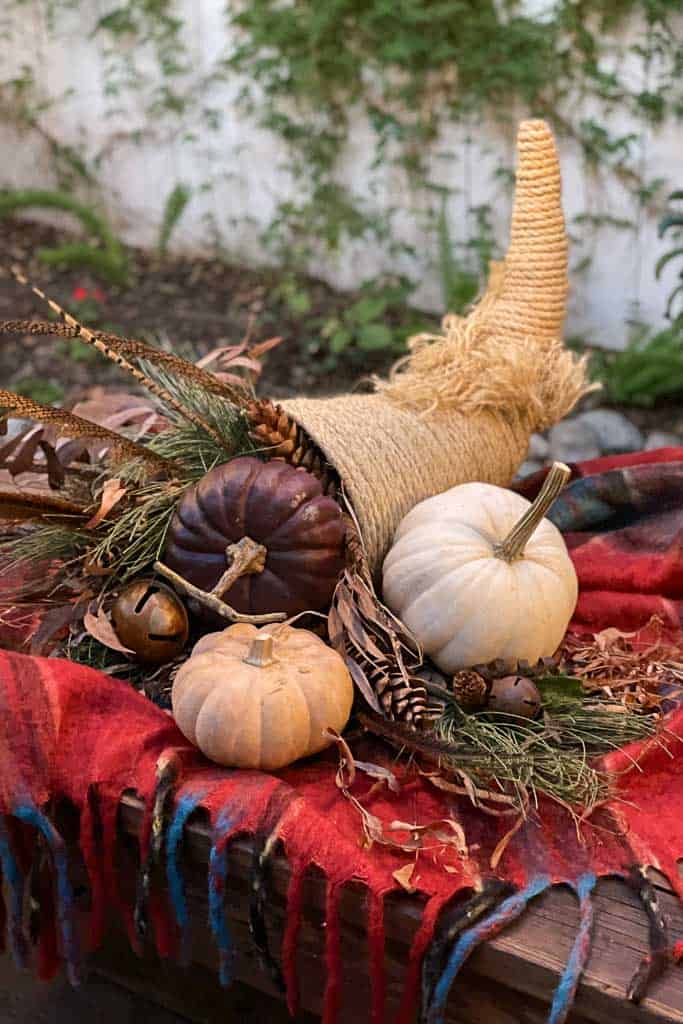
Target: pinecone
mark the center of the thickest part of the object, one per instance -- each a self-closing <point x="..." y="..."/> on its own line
<point x="470" y="689"/>
<point x="399" y="699"/>
<point x="275" y="430"/>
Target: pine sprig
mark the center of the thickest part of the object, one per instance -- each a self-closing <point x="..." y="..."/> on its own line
<point x="134" y="539"/>
<point x="190" y="446"/>
<point x="550" y="756"/>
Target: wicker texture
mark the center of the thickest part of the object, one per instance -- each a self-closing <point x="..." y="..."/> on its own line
<point x="462" y="406"/>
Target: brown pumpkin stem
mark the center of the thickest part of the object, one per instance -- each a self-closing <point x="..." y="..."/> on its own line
<point x="246" y="556"/>
<point x="260" y="652"/>
<point x="214" y="603"/>
<point x="512" y="548"/>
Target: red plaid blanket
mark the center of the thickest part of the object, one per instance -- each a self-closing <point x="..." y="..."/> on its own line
<point x="67" y="732"/>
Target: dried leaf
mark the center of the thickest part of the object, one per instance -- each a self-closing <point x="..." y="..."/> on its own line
<point x="445" y="830"/>
<point x="259" y="350"/>
<point x="25" y="451"/>
<point x="112" y="492"/>
<point x="363" y="683"/>
<point x="346" y="772"/>
<point x="502" y="844"/>
<point x="98" y="626"/>
<point x="378" y="771"/>
<point x="607" y="638"/>
<point x="52" y="622"/>
<point x="404" y="876"/>
<point x="55" y="469"/>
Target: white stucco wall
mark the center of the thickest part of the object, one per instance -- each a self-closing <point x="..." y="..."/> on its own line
<point x="245" y="167"/>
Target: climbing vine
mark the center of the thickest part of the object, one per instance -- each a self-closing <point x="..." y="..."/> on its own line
<point x="411" y="70"/>
<point x="413" y="67"/>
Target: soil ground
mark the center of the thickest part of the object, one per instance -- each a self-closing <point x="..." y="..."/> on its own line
<point x="193" y="305"/>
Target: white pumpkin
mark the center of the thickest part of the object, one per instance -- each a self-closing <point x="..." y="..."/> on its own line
<point x="477" y="573"/>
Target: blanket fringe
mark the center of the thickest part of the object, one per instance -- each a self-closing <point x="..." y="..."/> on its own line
<point x="660" y="954"/>
<point x="451" y="929"/>
<point x="509" y="910"/>
<point x="218" y="872"/>
<point x="563" y="1000"/>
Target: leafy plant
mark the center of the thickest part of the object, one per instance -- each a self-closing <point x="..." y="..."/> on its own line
<point x="173" y="210"/>
<point x="295" y="295"/>
<point x="40" y="390"/>
<point x="377" y="321"/>
<point x="104" y="255"/>
<point x="463" y="267"/>
<point x="672" y="221"/>
<point x="650" y="368"/>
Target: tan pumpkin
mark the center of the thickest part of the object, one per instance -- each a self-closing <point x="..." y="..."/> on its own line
<point x="251" y="698"/>
<point x="477" y="574"/>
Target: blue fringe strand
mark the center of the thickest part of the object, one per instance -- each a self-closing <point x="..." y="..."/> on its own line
<point x="569" y="982"/>
<point x="32" y="816"/>
<point x="508" y="911"/>
<point x="218" y="870"/>
<point x="15" y="882"/>
<point x="185" y="806"/>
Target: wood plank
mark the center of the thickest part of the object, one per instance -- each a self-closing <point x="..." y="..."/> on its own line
<point x="524" y="962"/>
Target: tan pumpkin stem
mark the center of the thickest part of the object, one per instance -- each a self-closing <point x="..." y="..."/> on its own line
<point x="209" y="599"/>
<point x="512" y="548"/>
<point x="246" y="556"/>
<point x="260" y="652"/>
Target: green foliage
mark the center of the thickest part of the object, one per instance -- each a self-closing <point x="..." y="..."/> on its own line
<point x="549" y="755"/>
<point x="173" y="211"/>
<point x="673" y="221"/>
<point x="648" y="370"/>
<point x="377" y="321"/>
<point x="46" y="392"/>
<point x="107" y="257"/>
<point x="415" y="66"/>
<point x="463" y="268"/>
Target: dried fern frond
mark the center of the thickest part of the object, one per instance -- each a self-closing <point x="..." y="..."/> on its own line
<point x="98" y="342"/>
<point x="133" y="348"/>
<point x="76" y="427"/>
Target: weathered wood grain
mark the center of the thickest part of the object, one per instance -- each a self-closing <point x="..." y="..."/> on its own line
<point x="519" y="969"/>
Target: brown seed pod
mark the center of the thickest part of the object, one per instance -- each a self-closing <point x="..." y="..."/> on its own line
<point x="470" y="689"/>
<point x="151" y="620"/>
<point x="515" y="695"/>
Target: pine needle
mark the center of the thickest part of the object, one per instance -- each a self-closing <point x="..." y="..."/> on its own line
<point x="133" y="541"/>
<point x="190" y="446"/>
<point x="550" y="756"/>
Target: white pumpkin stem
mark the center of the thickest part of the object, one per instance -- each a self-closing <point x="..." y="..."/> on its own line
<point x="260" y="652"/>
<point x="512" y="548"/>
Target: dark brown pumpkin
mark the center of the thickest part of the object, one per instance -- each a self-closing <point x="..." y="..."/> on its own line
<point x="278" y="506"/>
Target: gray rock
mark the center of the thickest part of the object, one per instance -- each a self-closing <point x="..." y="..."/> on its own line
<point x="15" y="427"/>
<point x="573" y="441"/>
<point x="539" y="448"/>
<point x="662" y="439"/>
<point x="529" y="467"/>
<point x="614" y="433"/>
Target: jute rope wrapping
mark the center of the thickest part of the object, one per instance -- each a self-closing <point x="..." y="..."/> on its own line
<point x="463" y="404"/>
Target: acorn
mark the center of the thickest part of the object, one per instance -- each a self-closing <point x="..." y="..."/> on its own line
<point x="515" y="695"/>
<point x="150" y="620"/>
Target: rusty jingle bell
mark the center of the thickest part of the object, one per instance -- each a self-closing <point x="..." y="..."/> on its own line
<point x="150" y="619"/>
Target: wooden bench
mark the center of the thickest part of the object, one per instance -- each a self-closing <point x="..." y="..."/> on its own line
<point x="510" y="979"/>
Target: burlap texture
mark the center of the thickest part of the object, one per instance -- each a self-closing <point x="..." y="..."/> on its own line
<point x="462" y="406"/>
